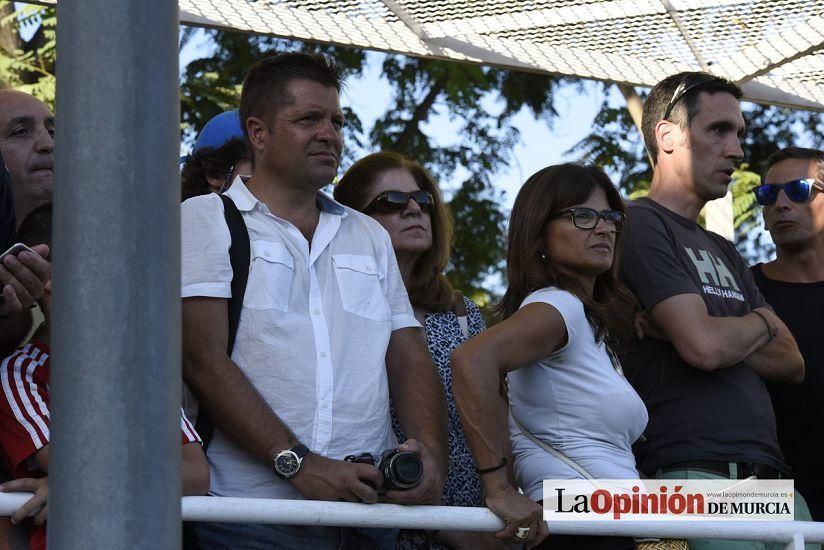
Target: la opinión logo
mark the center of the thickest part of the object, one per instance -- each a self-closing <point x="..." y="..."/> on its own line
<point x="637" y="500"/>
<point x="603" y="502"/>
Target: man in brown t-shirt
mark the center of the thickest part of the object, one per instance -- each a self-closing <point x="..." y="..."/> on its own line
<point x="711" y="338"/>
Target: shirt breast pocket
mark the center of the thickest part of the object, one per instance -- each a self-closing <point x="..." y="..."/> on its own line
<point x="359" y="283"/>
<point x="270" y="277"/>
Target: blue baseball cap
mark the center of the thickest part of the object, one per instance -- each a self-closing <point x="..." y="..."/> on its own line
<point x="218" y="131"/>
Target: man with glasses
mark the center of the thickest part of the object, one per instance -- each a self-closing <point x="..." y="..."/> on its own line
<point x="792" y="194"/>
<point x="710" y="339"/>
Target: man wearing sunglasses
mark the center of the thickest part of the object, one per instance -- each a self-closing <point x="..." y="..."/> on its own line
<point x="792" y="194"/>
<point x="326" y="329"/>
<point x="709" y="337"/>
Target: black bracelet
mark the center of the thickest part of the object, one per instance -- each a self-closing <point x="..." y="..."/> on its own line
<point x="483" y="471"/>
<point x="766" y="323"/>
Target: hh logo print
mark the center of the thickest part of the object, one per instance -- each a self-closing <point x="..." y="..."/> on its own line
<point x="715" y="275"/>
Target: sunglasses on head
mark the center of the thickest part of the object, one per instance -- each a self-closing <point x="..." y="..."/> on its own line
<point x="796" y="190"/>
<point x="687" y="84"/>
<point x="395" y="201"/>
<point x="587" y="218"/>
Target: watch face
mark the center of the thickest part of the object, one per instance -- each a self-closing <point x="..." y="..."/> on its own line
<point x="287" y="463"/>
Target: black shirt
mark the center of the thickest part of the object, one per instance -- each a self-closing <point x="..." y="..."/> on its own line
<point x="799" y="408"/>
<point x="8" y="221"/>
<point x="724" y="415"/>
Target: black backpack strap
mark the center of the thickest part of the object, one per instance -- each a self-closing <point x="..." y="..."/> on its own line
<point x="240" y="256"/>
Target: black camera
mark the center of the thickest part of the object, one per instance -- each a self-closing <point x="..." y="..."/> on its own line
<point x="401" y="469"/>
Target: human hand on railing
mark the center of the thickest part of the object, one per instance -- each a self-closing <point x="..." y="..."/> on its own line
<point x="322" y="478"/>
<point x="36" y="505"/>
<point x="523" y="517"/>
<point x="23" y="277"/>
<point x="430" y="487"/>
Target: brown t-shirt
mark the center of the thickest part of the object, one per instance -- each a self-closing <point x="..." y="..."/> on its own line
<point x="724" y="415"/>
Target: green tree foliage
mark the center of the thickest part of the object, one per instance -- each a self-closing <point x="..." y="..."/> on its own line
<point x="616" y="145"/>
<point x="479" y="101"/>
<point x="28" y="65"/>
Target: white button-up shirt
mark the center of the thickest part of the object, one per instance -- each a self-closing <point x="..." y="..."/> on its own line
<point x="314" y="328"/>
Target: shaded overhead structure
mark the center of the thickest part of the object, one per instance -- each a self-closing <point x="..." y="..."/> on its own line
<point x="773" y="48"/>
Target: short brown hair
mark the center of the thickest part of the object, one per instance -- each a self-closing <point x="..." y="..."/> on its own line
<point x="795" y="153"/>
<point x="428" y="288"/>
<point x="685" y="108"/>
<point x="264" y="88"/>
<point x="549" y="191"/>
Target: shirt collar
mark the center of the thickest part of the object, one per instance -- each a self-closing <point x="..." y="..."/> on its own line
<point x="240" y="194"/>
<point x="246" y="201"/>
<point x="329" y="205"/>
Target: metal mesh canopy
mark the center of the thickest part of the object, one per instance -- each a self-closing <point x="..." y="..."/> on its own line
<point x="773" y="48"/>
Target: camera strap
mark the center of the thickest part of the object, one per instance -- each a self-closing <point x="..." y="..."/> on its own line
<point x="459" y="308"/>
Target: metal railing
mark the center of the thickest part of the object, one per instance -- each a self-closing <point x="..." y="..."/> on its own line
<point x="346" y="514"/>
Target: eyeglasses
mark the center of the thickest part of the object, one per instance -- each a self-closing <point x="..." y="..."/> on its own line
<point x="587" y="218"/>
<point x="395" y="201"/>
<point x="687" y="84"/>
<point x="227" y="180"/>
<point x="796" y="190"/>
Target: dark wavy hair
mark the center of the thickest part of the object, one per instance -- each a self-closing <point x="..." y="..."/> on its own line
<point x="428" y="288"/>
<point x="612" y="306"/>
<point x="210" y="162"/>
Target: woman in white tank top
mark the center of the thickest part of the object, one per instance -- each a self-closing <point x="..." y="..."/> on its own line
<point x="563" y="308"/>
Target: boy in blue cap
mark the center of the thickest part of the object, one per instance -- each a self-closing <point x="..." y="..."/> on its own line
<point x="220" y="154"/>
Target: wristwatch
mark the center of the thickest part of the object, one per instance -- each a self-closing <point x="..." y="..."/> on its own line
<point x="287" y="462"/>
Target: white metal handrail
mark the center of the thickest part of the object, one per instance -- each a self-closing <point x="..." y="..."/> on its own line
<point x="311" y="512"/>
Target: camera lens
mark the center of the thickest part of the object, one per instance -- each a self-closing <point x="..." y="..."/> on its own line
<point x="402" y="469"/>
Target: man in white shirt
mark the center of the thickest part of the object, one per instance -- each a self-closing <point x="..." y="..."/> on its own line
<point x="326" y="330"/>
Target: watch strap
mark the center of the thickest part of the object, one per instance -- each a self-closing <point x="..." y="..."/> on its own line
<point x="301" y="450"/>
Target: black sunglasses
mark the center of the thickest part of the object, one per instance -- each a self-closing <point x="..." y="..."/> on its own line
<point x="587" y="218"/>
<point x="796" y="190"/>
<point x="687" y="84"/>
<point x="395" y="201"/>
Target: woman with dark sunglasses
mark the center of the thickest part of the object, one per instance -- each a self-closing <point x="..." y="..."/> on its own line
<point x="573" y="415"/>
<point x="406" y="201"/>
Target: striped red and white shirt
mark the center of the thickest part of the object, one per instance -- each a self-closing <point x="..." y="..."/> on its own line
<point x="24" y="409"/>
<point x="25" y="419"/>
